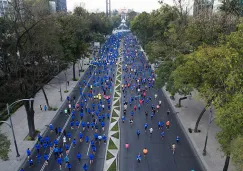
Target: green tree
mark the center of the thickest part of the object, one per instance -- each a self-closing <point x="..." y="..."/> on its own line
<point x="237" y="152"/>
<point x="229" y="118"/>
<point x="74" y="35"/>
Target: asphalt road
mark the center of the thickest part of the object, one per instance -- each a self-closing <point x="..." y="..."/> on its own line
<point x="160" y="156"/>
<point x="63" y="121"/>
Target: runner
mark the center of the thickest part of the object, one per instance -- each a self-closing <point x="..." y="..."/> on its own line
<point x="145" y="152"/>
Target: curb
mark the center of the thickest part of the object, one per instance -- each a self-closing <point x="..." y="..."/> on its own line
<point x="192" y="143"/>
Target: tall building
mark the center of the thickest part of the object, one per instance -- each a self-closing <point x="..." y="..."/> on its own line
<point x="203" y="7"/>
<point x="3" y="7"/>
<point x="61" y="5"/>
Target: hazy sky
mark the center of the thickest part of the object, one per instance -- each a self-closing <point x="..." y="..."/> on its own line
<point x="137" y="5"/>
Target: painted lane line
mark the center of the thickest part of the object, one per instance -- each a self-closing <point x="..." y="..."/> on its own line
<point x="88" y="150"/>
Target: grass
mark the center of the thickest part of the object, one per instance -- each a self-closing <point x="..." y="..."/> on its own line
<point x="52" y="108"/>
<point x="65" y="91"/>
<point x="115" y="127"/>
<point x="112" y="120"/>
<point x="74" y="79"/>
<point x="116" y="135"/>
<point x="113" y="166"/>
<point x="112" y="145"/>
<point x="28" y="138"/>
<point x="177" y="105"/>
<point x="119" y="77"/>
<point x="116" y="95"/>
<point x="117" y="103"/>
<point x="114" y="114"/>
<point x="118" y="88"/>
<point x="109" y="155"/>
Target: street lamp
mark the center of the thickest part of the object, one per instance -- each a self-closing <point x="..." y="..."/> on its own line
<point x="11" y="124"/>
<point x="209" y="123"/>
<point x="60" y="86"/>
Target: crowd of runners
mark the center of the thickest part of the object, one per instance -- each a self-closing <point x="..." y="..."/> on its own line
<point x="137" y="82"/>
<point x="90" y="112"/>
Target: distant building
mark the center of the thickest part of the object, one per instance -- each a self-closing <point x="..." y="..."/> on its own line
<point x="61" y="5"/>
<point x="203" y="7"/>
<point x="3" y="7"/>
<point x="52" y="7"/>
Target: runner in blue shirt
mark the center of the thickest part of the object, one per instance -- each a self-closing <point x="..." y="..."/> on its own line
<point x="91" y="158"/>
<point x="59" y="161"/>
<point x="74" y="142"/>
<point x="38" y="158"/>
<point x="67" y="148"/>
<point x="80" y="137"/>
<point x="138" y="133"/>
<point x="81" y="115"/>
<point x="69" y="166"/>
<point x="87" y="139"/>
<point x="79" y="157"/>
<point x="77" y="124"/>
<point x="162" y="134"/>
<point x="83" y="125"/>
<point x="145" y="126"/>
<point x="104" y="138"/>
<point x="37" y="147"/>
<point x="69" y="136"/>
<point x="85" y="167"/>
<point x="46" y="158"/>
<point x="30" y="162"/>
<point x="103" y="125"/>
<point x="123" y="119"/>
<point x="177" y="139"/>
<point x="28" y="152"/>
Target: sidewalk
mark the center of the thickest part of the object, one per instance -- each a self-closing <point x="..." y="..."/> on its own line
<point x="187" y="116"/>
<point x="42" y="118"/>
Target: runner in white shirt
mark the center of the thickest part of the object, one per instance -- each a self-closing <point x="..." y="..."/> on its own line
<point x="64" y="139"/>
<point x="155" y="96"/>
<point x="150" y="131"/>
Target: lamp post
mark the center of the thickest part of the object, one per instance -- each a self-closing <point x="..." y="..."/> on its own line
<point x="11" y="124"/>
<point x="209" y="123"/>
<point x="60" y="86"/>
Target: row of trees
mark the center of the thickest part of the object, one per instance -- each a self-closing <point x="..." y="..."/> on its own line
<point x="34" y="43"/>
<point x="202" y="53"/>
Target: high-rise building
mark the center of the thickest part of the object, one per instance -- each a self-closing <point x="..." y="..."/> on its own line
<point x="3" y="7"/>
<point x="61" y="5"/>
<point x="203" y="7"/>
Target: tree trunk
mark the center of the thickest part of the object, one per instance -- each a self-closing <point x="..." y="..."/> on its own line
<point x="199" y="118"/>
<point x="30" y="117"/>
<point x="74" y="74"/>
<point x="47" y="102"/>
<point x="180" y="99"/>
<point x="226" y="163"/>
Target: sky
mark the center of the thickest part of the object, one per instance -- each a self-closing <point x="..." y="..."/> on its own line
<point x="136" y="5"/>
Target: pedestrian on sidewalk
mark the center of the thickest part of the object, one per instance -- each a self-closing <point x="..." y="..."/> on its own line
<point x="45" y="108"/>
<point x="68" y="83"/>
<point x="41" y="107"/>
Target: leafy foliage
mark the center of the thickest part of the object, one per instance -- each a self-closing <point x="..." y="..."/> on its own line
<point x="4" y="146"/>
